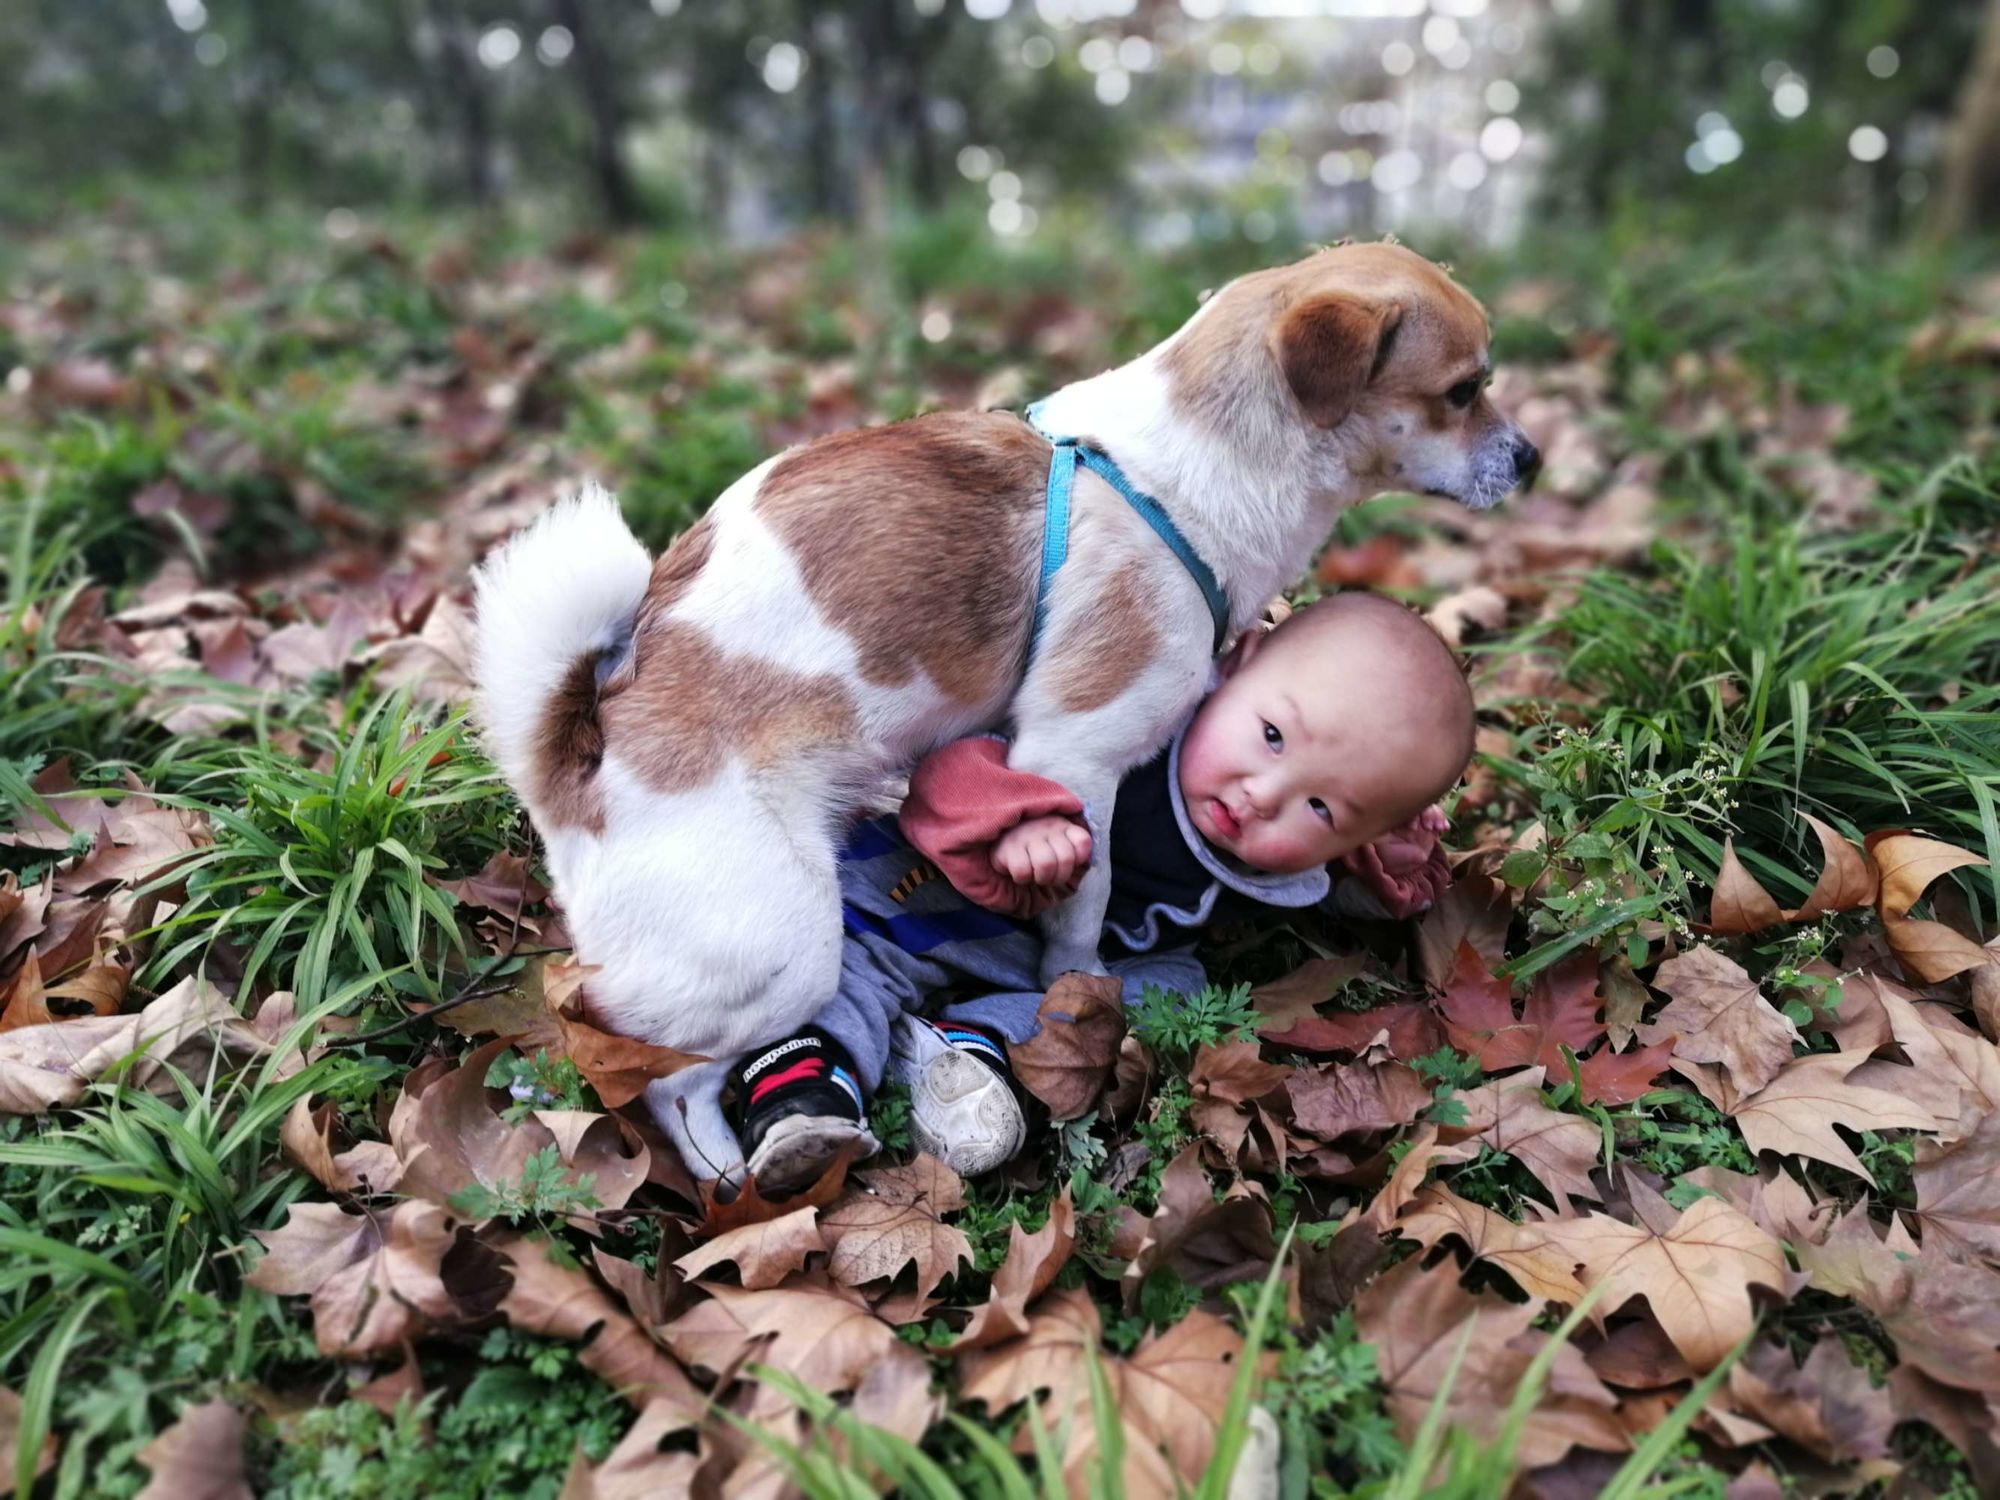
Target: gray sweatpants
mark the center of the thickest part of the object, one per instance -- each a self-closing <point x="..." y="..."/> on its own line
<point x="910" y="938"/>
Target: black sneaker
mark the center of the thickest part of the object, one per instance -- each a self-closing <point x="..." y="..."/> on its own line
<point x="799" y="1104"/>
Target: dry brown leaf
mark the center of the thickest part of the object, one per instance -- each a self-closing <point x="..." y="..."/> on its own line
<point x="1206" y="1243"/>
<point x="1538" y="1267"/>
<point x="1846" y="881"/>
<point x="764" y="1253"/>
<point x="1419" y="1320"/>
<point x="1559" y="1149"/>
<point x="1952" y="1073"/>
<point x="1958" y="1193"/>
<point x="1696" y="1276"/>
<point x="1943" y="1315"/>
<point x="1795" y="1113"/>
<point x="1356" y="1098"/>
<point x="1718" y="1016"/>
<point x="1029" y="1269"/>
<point x="1283" y="1003"/>
<point x="373" y="1277"/>
<point x="504" y="885"/>
<point x="200" y="1457"/>
<point x="617" y="1067"/>
<point x="1740" y="903"/>
<point x="897" y="1221"/>
<point x="750" y="1206"/>
<point x="1828" y="1406"/>
<point x="1069" y="1061"/>
<point x="640" y="1467"/>
<point x="562" y="1302"/>
<point x="1408" y="1176"/>
<point x="307" y="1138"/>
<point x="826" y="1337"/>
<point x="1908" y="864"/>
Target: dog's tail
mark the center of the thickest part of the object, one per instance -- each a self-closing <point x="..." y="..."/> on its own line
<point x="552" y="604"/>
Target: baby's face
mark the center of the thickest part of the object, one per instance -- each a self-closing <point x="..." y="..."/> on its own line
<point x="1296" y="760"/>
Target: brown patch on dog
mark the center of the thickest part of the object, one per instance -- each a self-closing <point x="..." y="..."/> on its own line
<point x="920" y="540"/>
<point x="691" y="707"/>
<point x="568" y="750"/>
<point x="1283" y="335"/>
<point x="676" y="569"/>
<point x="1098" y="658"/>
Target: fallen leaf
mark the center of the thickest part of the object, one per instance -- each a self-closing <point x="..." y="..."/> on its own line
<point x="1717" y="1015"/>
<point x="764" y="1253"/>
<point x="1621" y="1077"/>
<point x="1828" y="1406"/>
<point x="617" y="1067"/>
<point x="200" y="1457"/>
<point x="1537" y="1266"/>
<point x="373" y="1277"/>
<point x="1696" y="1277"/>
<point x="750" y="1206"/>
<point x="897" y="1221"/>
<point x="1285" y="1002"/>
<point x="1559" y="1149"/>
<point x="1477" y="910"/>
<point x="1846" y="881"/>
<point x="1794" y="1114"/>
<point x="1029" y="1269"/>
<point x="503" y="885"/>
<point x="827" y="1338"/>
<point x="1958" y="1193"/>
<point x="1419" y="1321"/>
<point x="1408" y="1030"/>
<point x="562" y="1302"/>
<point x="1907" y="865"/>
<point x="1067" y="1063"/>
<point x="1207" y="1243"/>
<point x="1740" y="904"/>
<point x="307" y="1138"/>
<point x="1356" y="1098"/>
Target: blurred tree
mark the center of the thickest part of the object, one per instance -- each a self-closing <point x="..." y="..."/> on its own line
<point x="1970" y="194"/>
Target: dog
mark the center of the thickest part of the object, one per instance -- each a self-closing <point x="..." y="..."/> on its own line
<point x="692" y="734"/>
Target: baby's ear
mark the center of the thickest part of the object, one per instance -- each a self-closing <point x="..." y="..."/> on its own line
<point x="1238" y="656"/>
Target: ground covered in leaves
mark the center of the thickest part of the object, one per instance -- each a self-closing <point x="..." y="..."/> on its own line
<point x="314" y="1183"/>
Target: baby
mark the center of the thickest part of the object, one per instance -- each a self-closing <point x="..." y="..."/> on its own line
<point x="1325" y="740"/>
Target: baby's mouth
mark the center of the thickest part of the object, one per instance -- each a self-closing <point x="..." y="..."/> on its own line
<point x="1226" y="822"/>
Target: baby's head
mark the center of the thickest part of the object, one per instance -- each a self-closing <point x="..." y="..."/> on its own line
<point x="1346" y="721"/>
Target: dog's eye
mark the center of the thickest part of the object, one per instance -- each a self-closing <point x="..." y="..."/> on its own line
<point x="1272" y="738"/>
<point x="1465" y="392"/>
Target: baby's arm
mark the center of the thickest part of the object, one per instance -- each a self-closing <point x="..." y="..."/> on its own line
<point x="1400" y="874"/>
<point x="965" y="802"/>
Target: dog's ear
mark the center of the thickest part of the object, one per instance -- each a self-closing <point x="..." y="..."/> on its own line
<point x="1330" y="347"/>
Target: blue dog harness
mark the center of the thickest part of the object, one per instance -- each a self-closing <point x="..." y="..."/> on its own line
<point x="1069" y="452"/>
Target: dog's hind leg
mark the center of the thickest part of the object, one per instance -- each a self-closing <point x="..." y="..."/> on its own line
<point x="688" y="1105"/>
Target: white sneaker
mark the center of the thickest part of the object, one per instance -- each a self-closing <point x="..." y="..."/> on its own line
<point x="961" y="1111"/>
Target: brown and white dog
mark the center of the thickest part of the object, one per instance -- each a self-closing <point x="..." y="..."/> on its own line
<point x="692" y="734"/>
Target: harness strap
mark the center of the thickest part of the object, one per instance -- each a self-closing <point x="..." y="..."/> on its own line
<point x="1069" y="452"/>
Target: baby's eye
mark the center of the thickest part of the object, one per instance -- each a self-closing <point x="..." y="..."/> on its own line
<point x="1272" y="738"/>
<point x="1321" y="811"/>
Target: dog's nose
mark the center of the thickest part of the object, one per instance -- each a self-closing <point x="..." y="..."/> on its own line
<point x="1527" y="462"/>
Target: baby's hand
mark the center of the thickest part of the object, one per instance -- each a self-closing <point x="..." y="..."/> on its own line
<point x="1049" y="853"/>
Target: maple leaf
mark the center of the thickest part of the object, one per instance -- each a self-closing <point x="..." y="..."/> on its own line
<point x="1285" y="1002"/>
<point x="1029" y="1269"/>
<point x="1739" y="904"/>
<point x="1355" y="1098"/>
<point x="750" y="1206"/>
<point x="1847" y="881"/>
<point x="1538" y="1266"/>
<point x="503" y="885"/>
<point x="764" y="1253"/>
<point x="1952" y="1073"/>
<point x="1409" y="1173"/>
<point x="617" y="1067"/>
<point x="307" y="1138"/>
<point x="1476" y="910"/>
<point x="1067" y="1063"/>
<point x="1908" y="864"/>
<point x="200" y="1457"/>
<point x="1958" y="1192"/>
<point x="1943" y="1315"/>
<point x="1206" y="1243"/>
<point x="1408" y="1030"/>
<point x="562" y="1302"/>
<point x="641" y="1466"/>
<point x="1794" y="1114"/>
<point x="1828" y="1406"/>
<point x="1696" y="1276"/>
<point x="898" y="1220"/>
<point x="1621" y="1077"/>
<point x="826" y="1337"/>
<point x="1560" y="1011"/>
<point x="1559" y="1149"/>
<point x="373" y="1278"/>
<point x="1718" y="1015"/>
<point x="1419" y="1321"/>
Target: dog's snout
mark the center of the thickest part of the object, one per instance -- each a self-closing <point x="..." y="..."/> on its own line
<point x="1527" y="461"/>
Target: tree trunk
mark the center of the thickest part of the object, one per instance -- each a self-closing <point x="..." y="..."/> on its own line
<point x="1970" y="193"/>
<point x="598" y="79"/>
<point x="460" y="66"/>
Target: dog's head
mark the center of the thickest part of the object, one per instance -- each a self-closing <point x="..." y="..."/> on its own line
<point x="1384" y="359"/>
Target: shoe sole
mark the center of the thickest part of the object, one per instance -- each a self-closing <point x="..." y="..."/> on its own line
<point x="963" y="1113"/>
<point x="796" y="1151"/>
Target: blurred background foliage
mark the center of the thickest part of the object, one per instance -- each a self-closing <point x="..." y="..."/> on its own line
<point x="1167" y="122"/>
